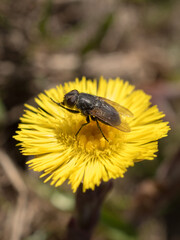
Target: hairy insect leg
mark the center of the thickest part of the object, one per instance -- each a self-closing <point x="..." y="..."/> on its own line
<point x="60" y="105"/>
<point x="84" y="124"/>
<point x="100" y="129"/>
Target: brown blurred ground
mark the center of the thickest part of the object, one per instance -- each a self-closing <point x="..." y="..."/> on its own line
<point x="44" y="43"/>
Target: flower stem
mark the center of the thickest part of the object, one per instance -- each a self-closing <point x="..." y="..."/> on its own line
<point x="87" y="213"/>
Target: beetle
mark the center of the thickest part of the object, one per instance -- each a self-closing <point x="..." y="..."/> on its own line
<point x="97" y="109"/>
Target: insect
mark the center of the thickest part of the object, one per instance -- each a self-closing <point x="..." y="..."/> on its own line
<point x="97" y="109"/>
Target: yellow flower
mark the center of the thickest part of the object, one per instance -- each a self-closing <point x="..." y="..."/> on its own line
<point x="48" y="133"/>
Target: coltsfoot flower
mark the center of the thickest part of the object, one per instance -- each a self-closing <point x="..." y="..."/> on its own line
<point x="48" y="133"/>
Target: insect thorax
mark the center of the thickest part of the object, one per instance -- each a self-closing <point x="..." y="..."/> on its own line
<point x="86" y="102"/>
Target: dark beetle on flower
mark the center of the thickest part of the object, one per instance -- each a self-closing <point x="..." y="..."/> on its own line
<point x="97" y="109"/>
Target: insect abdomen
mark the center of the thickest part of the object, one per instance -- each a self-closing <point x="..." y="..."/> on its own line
<point x="109" y="115"/>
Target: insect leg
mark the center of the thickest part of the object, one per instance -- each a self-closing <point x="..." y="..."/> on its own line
<point x="101" y="129"/>
<point x="70" y="110"/>
<point x="84" y="124"/>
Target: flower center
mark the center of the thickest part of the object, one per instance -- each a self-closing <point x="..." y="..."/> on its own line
<point x="90" y="138"/>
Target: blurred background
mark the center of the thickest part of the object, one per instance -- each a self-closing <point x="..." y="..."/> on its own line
<point x="44" y="43"/>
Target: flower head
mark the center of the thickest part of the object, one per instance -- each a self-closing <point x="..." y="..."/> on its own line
<point x="48" y="133"/>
